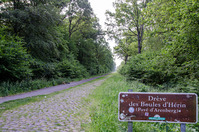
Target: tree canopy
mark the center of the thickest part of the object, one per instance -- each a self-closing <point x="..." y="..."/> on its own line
<point x="127" y="21"/>
<point x="52" y="39"/>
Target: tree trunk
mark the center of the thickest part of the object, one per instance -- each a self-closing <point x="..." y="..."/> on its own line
<point x="140" y="37"/>
<point x="69" y="28"/>
<point x="126" y="59"/>
<point x="15" y="6"/>
<point x="139" y="45"/>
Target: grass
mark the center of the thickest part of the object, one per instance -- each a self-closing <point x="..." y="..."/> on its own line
<point x="104" y="109"/>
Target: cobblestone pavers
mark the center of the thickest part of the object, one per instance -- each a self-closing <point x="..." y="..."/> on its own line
<point x="64" y="112"/>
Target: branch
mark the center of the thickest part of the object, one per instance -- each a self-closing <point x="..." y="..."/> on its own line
<point x="161" y="32"/>
<point x="133" y="32"/>
<point x="77" y="23"/>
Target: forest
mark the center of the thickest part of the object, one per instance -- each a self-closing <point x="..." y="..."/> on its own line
<point x="158" y="41"/>
<point x="49" y="42"/>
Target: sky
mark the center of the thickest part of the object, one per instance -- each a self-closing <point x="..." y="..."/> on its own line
<point x="99" y="8"/>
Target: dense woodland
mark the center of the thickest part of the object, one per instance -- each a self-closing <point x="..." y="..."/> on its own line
<point x="158" y="41"/>
<point x="49" y="41"/>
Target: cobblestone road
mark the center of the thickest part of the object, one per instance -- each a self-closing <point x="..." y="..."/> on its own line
<point x="64" y="112"/>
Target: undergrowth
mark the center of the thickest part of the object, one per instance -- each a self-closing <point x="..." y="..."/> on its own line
<point x="11" y="88"/>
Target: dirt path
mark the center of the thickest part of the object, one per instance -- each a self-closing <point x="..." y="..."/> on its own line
<point x="64" y="112"/>
<point x="45" y="91"/>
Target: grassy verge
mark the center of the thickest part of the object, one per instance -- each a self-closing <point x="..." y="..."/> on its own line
<point x="16" y="103"/>
<point x="104" y="109"/>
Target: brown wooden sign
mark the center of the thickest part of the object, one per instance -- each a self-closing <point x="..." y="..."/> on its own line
<point x="158" y="107"/>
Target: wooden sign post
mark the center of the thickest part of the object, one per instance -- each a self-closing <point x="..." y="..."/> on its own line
<point x="183" y="127"/>
<point x="158" y="107"/>
<point x="130" y="124"/>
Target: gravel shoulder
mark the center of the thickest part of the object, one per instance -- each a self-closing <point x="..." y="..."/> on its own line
<point x="64" y="112"/>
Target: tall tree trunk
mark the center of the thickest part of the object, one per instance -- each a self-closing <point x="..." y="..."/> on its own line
<point x="126" y="59"/>
<point x="139" y="41"/>
<point x="140" y="37"/>
<point x="15" y="6"/>
<point x="69" y="28"/>
<point x="139" y="46"/>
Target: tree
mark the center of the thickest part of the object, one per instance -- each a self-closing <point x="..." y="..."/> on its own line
<point x="125" y="49"/>
<point x="177" y="23"/>
<point x="92" y="47"/>
<point x="36" y="21"/>
<point x="128" y="18"/>
<point x="78" y="11"/>
<point x="56" y="33"/>
<point x="172" y="25"/>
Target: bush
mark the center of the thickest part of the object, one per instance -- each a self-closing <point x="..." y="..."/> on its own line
<point x="14" y="58"/>
<point x="42" y="69"/>
<point x="72" y="69"/>
<point x="150" y="67"/>
<point x="67" y="68"/>
<point x="160" y="67"/>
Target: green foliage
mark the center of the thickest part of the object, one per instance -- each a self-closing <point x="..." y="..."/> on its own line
<point x="125" y="49"/>
<point x="89" y="46"/>
<point x="68" y="68"/>
<point x="14" y="58"/>
<point x="36" y="22"/>
<point x="41" y="69"/>
<point x="72" y="69"/>
<point x="162" y="68"/>
<point x="176" y="23"/>
<point x="149" y="67"/>
<point x="79" y="14"/>
<point x="153" y="43"/>
<point x="171" y="46"/>
<point x="57" y="39"/>
<point x="127" y="22"/>
<point x="11" y="88"/>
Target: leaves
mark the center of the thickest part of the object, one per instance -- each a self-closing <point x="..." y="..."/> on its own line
<point x="62" y="38"/>
<point x="13" y="57"/>
<point x="171" y="50"/>
<point x="127" y="21"/>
